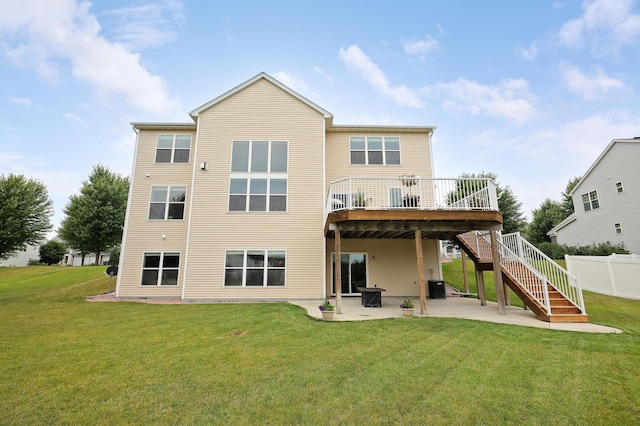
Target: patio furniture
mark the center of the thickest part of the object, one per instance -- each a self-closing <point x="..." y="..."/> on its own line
<point x="371" y="297"/>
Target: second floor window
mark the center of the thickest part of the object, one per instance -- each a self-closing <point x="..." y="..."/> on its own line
<point x="173" y="149"/>
<point x="167" y="202"/>
<point x="258" y="179"/>
<point x="590" y="201"/>
<point x="374" y="150"/>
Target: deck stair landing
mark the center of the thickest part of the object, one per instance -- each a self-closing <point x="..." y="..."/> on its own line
<point x="551" y="293"/>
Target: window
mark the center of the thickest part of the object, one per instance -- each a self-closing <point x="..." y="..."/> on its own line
<point x="160" y="269"/>
<point x="258" y="180"/>
<point x="255" y="268"/>
<point x="590" y="201"/>
<point x="619" y="187"/>
<point x="374" y="150"/>
<point x="173" y="148"/>
<point x="618" y="227"/>
<point x="167" y="202"/>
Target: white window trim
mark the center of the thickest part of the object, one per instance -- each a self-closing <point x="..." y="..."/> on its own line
<point x="173" y="147"/>
<point x="160" y="268"/>
<point x="256" y="176"/>
<point x="167" y="201"/>
<point x="618" y="226"/>
<point x="268" y="175"/>
<point x="590" y="201"/>
<point x="384" y="151"/>
<point x="265" y="268"/>
<point x="619" y="187"/>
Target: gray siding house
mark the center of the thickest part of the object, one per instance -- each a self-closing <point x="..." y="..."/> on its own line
<point x="606" y="200"/>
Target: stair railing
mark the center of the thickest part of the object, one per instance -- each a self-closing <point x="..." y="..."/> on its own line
<point x="532" y="282"/>
<point x="567" y="284"/>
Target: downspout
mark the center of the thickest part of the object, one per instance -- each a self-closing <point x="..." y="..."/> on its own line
<point x="324" y="214"/>
<point x="193" y="192"/>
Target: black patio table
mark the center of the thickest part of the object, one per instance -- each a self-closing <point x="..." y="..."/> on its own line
<point x="371" y="297"/>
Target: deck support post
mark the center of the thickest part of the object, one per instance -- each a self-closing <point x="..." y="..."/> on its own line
<point x="464" y="272"/>
<point x="421" y="286"/>
<point x="497" y="272"/>
<point x="480" y="285"/>
<point x="507" y="295"/>
<point x="338" y="272"/>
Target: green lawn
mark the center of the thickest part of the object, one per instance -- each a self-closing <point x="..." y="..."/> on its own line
<point x="67" y="361"/>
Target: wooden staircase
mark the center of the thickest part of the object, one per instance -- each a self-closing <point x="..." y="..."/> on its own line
<point x="519" y="278"/>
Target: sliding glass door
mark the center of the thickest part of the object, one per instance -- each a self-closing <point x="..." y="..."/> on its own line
<point x="353" y="272"/>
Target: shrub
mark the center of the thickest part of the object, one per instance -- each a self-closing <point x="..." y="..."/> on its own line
<point x="557" y="251"/>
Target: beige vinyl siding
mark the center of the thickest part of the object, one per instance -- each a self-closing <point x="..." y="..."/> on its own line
<point x="415" y="156"/>
<point x="260" y="111"/>
<point x="395" y="267"/>
<point x="144" y="235"/>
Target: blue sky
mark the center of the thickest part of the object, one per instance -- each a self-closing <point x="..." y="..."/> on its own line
<point x="531" y="90"/>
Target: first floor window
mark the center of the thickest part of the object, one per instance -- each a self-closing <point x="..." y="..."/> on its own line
<point x="590" y="201"/>
<point x="619" y="187"/>
<point x="167" y="202"/>
<point x="160" y="268"/>
<point x="257" y="195"/>
<point x="255" y="268"/>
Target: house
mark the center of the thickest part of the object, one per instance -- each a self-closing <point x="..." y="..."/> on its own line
<point x="74" y="258"/>
<point x="257" y="197"/>
<point x="22" y="257"/>
<point x="606" y="200"/>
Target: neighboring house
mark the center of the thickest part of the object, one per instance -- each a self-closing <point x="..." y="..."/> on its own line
<point x="74" y="258"/>
<point x="606" y="200"/>
<point x="252" y="200"/>
<point x="22" y="257"/>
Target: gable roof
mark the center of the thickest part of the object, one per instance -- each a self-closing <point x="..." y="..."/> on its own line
<point x="567" y="220"/>
<point x="196" y="112"/>
<point x="600" y="157"/>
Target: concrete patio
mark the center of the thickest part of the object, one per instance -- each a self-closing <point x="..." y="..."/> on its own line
<point x="451" y="307"/>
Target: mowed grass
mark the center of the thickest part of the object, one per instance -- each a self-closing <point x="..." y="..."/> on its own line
<point x="67" y="361"/>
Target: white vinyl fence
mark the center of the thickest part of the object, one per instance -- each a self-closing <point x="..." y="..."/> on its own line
<point x="615" y="275"/>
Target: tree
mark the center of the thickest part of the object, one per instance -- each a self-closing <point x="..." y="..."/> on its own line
<point x="549" y="214"/>
<point x="508" y="204"/>
<point x="95" y="218"/>
<point x="567" y="200"/>
<point x="25" y="213"/>
<point x="52" y="252"/>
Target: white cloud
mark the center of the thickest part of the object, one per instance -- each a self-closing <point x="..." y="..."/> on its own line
<point x="529" y="53"/>
<point x="73" y="117"/>
<point x="20" y="101"/>
<point x="50" y="35"/>
<point x="606" y="24"/>
<point x="323" y="73"/>
<point x="126" y="143"/>
<point x="360" y="63"/>
<point x="290" y="80"/>
<point x="147" y="25"/>
<point x="420" y="48"/>
<point x="590" y="87"/>
<point x="509" y="99"/>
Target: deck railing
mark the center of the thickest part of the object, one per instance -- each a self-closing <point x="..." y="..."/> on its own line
<point x="559" y="277"/>
<point x="411" y="192"/>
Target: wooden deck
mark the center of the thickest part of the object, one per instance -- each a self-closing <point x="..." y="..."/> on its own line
<point x="434" y="224"/>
